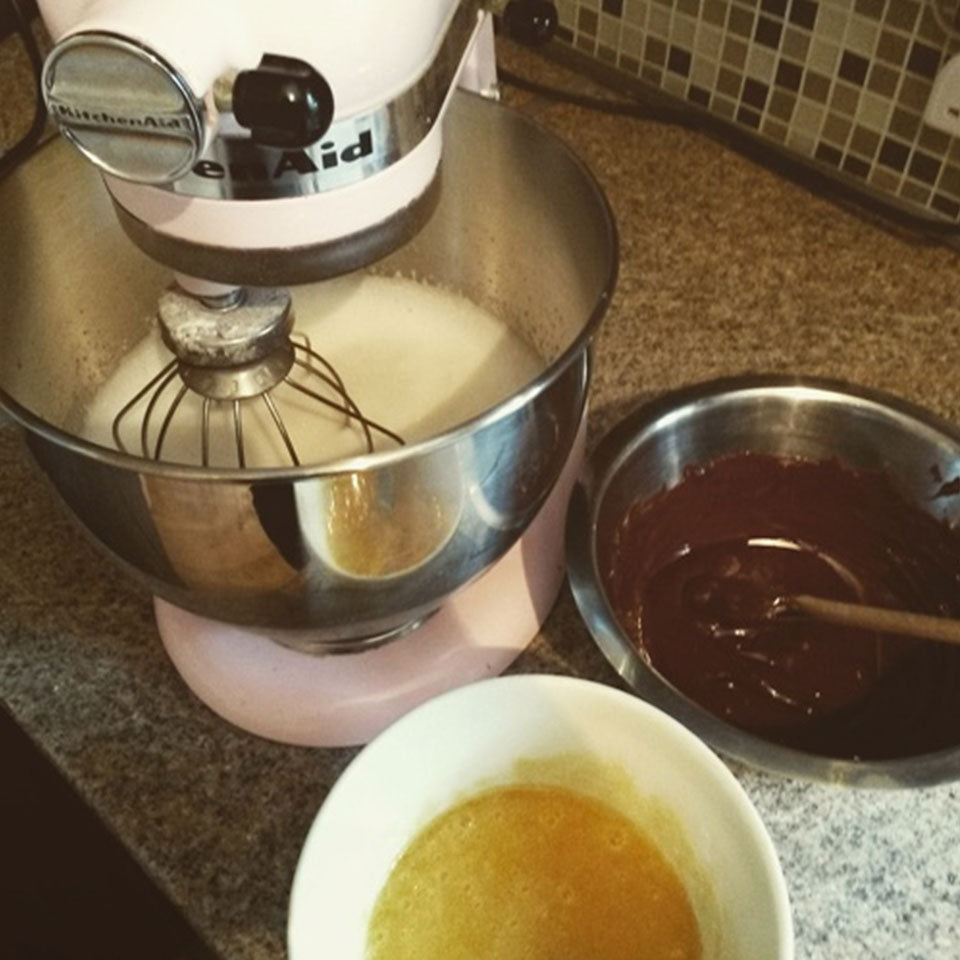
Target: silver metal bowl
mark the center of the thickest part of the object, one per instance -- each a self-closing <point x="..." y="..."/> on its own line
<point x="776" y="415"/>
<point x="521" y="227"/>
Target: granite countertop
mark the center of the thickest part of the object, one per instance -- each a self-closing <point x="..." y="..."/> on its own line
<point x="726" y="267"/>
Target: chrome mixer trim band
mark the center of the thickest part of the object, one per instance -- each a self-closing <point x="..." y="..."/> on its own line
<point x="235" y="167"/>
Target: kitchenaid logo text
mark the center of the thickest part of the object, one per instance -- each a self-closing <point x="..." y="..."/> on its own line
<point x="291" y="162"/>
<point x="101" y="118"/>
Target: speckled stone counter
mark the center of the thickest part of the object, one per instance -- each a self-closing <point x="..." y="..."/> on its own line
<point x="725" y="268"/>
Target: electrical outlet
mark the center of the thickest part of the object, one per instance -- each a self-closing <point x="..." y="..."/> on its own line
<point x="943" y="107"/>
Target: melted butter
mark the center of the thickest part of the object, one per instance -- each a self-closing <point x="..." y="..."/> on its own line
<point x="531" y="871"/>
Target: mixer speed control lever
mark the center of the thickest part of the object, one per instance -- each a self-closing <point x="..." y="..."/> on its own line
<point x="284" y="102"/>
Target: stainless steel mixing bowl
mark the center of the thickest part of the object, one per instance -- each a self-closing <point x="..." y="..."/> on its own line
<point x="521" y="227"/>
<point x="776" y="415"/>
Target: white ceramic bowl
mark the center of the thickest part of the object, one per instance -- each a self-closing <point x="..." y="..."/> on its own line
<point x="543" y="729"/>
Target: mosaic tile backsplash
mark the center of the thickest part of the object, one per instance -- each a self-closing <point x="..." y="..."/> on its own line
<point x="841" y="83"/>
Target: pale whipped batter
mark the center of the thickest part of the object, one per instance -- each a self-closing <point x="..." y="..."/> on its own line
<point x="416" y="358"/>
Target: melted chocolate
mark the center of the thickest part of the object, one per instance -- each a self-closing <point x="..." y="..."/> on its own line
<point x="692" y="573"/>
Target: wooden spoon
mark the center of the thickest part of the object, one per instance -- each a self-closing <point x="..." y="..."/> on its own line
<point x="881" y="619"/>
<point x="732" y="605"/>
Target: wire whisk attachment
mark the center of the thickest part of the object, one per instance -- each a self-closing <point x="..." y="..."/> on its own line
<point x="232" y="356"/>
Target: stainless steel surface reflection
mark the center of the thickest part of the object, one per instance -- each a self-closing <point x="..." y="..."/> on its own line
<point x="521" y="228"/>
<point x="776" y="415"/>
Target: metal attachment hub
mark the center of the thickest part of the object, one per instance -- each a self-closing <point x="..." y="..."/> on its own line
<point x="242" y="327"/>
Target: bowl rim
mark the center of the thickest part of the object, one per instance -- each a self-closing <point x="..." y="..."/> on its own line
<point x="575" y="353"/>
<point x="614" y="447"/>
<point x="720" y="779"/>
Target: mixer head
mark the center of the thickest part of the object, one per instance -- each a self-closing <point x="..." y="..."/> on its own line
<point x="262" y="144"/>
<point x="254" y="143"/>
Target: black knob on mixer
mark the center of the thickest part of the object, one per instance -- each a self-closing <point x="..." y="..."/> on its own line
<point x="530" y="21"/>
<point x="284" y="102"/>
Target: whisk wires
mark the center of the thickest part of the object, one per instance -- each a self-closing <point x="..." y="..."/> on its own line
<point x="235" y="352"/>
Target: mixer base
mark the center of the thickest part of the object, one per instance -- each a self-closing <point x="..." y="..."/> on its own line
<point x="346" y="699"/>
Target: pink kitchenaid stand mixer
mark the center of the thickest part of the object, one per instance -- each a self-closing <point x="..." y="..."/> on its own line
<point x="262" y="159"/>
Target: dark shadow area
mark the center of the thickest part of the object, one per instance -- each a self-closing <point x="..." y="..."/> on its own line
<point x="9" y="20"/>
<point x="68" y="888"/>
